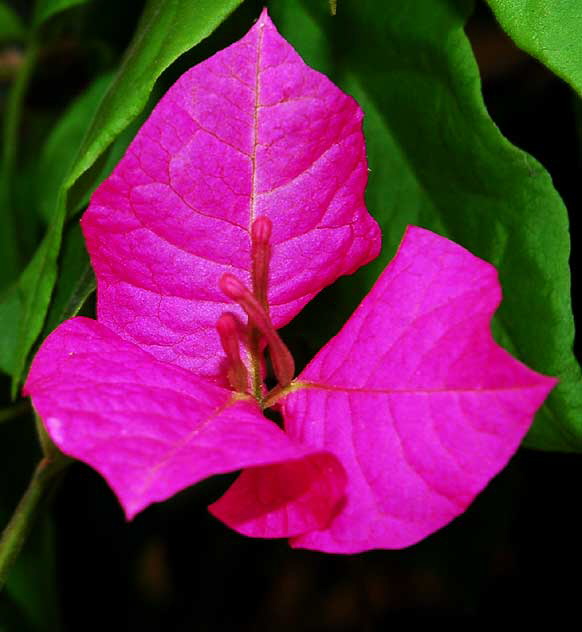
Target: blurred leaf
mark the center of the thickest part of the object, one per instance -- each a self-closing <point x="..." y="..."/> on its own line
<point x="63" y="144"/>
<point x="439" y="161"/>
<point x="45" y="9"/>
<point x="11" y="122"/>
<point x="11" y="27"/>
<point x="549" y="31"/>
<point x="167" y="29"/>
<point x="10" y="312"/>
<point x="31" y="586"/>
<point x="12" y="619"/>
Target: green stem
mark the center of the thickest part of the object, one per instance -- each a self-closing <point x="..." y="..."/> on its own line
<point x="43" y="480"/>
<point x="11" y="128"/>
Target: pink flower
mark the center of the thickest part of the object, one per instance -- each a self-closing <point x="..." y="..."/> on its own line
<point x="238" y="201"/>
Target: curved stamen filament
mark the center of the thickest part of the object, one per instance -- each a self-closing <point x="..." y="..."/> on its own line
<point x="261" y="253"/>
<point x="237" y="374"/>
<point x="281" y="358"/>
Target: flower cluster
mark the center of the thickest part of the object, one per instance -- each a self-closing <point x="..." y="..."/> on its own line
<point x="240" y="198"/>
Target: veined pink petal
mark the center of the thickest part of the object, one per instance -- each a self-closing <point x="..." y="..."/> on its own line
<point x="415" y="398"/>
<point x="150" y="428"/>
<point x="252" y="131"/>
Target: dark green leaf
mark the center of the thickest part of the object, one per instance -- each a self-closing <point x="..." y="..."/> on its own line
<point x="11" y="27"/>
<point x="8" y="246"/>
<point x="63" y="144"/>
<point x="549" y="31"/>
<point x="11" y="121"/>
<point x="438" y="160"/>
<point x="29" y="599"/>
<point x="10" y="312"/>
<point x="45" y="9"/>
<point x="76" y="279"/>
<point x="31" y="586"/>
<point x="167" y="29"/>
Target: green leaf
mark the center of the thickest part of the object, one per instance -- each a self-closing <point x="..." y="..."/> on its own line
<point x="11" y="27"/>
<point x="63" y="143"/>
<point x="10" y="313"/>
<point x="8" y="246"/>
<point x="438" y="160"/>
<point x="11" y="120"/>
<point x="167" y="29"/>
<point x="45" y="9"/>
<point x="549" y="31"/>
<point x="76" y="281"/>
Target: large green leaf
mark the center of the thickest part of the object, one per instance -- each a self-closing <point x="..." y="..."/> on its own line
<point x="549" y="31"/>
<point x="438" y="160"/>
<point x="167" y="29"/>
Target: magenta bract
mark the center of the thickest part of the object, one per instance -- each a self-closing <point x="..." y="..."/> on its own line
<point x="250" y="132"/>
<point x="240" y="199"/>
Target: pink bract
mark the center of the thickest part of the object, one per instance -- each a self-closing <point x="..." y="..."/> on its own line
<point x="250" y="132"/>
<point x="247" y="182"/>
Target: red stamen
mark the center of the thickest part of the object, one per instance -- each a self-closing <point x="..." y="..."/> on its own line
<point x="283" y="364"/>
<point x="261" y="229"/>
<point x="229" y="337"/>
<point x="261" y="254"/>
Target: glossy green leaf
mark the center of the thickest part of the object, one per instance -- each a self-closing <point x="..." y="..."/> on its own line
<point x="45" y="9"/>
<point x="167" y="29"/>
<point x="11" y="27"/>
<point x="438" y="160"/>
<point x="549" y="31"/>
